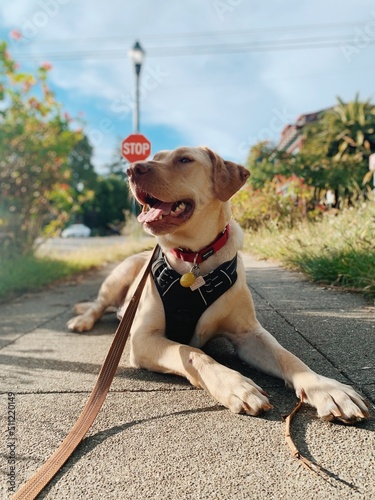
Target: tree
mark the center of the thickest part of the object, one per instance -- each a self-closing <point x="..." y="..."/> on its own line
<point x="334" y="154"/>
<point x="102" y="199"/>
<point x="265" y="162"/>
<point x="344" y="139"/>
<point x="105" y="211"/>
<point x="117" y="167"/>
<point x="83" y="175"/>
<point x="35" y="142"/>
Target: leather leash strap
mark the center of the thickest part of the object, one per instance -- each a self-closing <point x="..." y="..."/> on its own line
<point x="43" y="476"/>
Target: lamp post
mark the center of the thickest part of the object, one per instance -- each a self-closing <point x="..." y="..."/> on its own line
<point x="136" y="54"/>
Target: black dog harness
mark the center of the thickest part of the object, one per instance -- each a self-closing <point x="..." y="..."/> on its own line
<point x="182" y="306"/>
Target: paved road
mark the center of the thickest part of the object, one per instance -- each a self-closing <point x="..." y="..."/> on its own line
<point x="158" y="438"/>
<point x="58" y="246"/>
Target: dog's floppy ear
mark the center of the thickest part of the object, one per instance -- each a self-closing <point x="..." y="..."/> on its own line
<point x="227" y="177"/>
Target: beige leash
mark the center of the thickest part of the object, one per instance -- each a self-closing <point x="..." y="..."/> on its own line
<point x="43" y="476"/>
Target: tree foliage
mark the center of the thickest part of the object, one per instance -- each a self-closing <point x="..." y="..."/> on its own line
<point x="102" y="199"/>
<point x="83" y="175"/>
<point x="117" y="166"/>
<point x="334" y="154"/>
<point x="47" y="176"/>
<point x="280" y="203"/>
<point x="265" y="162"/>
<point x="105" y="210"/>
<point x="35" y="142"/>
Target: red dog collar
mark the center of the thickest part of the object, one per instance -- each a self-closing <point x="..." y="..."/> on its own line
<point x="203" y="254"/>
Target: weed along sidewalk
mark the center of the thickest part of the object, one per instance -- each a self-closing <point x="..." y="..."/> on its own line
<point x="337" y="250"/>
<point x="156" y="436"/>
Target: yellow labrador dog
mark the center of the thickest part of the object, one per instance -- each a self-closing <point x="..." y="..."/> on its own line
<point x="198" y="290"/>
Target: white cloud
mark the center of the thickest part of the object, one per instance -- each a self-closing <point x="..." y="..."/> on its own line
<point x="224" y="101"/>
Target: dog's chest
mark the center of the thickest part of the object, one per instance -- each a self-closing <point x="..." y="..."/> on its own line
<point x="182" y="306"/>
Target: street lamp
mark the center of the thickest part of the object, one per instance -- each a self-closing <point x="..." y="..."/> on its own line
<point x="136" y="55"/>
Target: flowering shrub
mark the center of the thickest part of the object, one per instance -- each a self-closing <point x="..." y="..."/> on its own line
<point x="280" y="203"/>
<point x="35" y="142"/>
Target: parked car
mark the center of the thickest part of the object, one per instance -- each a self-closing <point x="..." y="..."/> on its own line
<point x="76" y="231"/>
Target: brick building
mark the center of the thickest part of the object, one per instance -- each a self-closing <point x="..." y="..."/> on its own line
<point x="291" y="138"/>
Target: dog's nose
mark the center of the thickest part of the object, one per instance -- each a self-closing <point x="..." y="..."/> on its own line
<point x="137" y="169"/>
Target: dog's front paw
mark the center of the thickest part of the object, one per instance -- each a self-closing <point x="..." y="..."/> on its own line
<point x="80" y="324"/>
<point x="230" y="388"/>
<point x="332" y="399"/>
<point x="241" y="395"/>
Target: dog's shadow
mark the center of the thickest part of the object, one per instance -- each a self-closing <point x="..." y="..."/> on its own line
<point x="222" y="351"/>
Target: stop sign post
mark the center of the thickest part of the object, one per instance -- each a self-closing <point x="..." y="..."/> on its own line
<point x="136" y="147"/>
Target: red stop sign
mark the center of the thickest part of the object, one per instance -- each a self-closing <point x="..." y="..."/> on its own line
<point x="136" y="147"/>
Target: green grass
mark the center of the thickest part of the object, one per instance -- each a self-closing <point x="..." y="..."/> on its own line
<point x="339" y="250"/>
<point x="26" y="273"/>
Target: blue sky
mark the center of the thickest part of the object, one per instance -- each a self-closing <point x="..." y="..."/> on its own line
<point x="220" y="73"/>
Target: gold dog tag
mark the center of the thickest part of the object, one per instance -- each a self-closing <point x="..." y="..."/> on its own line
<point x="193" y="279"/>
<point x="187" y="280"/>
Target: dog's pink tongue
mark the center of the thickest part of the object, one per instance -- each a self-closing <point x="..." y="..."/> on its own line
<point x="155" y="212"/>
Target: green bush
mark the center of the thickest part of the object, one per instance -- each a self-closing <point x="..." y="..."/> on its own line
<point x="280" y="203"/>
<point x="338" y="250"/>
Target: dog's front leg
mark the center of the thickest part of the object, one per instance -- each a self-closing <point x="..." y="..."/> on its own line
<point x="156" y="353"/>
<point x="112" y="293"/>
<point x="332" y="399"/>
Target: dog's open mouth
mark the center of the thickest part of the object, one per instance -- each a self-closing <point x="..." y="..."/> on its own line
<point x="155" y="210"/>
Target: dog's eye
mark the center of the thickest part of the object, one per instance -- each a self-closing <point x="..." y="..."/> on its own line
<point x="185" y="160"/>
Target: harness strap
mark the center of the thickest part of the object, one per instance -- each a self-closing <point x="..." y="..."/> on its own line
<point x="183" y="307"/>
<point x="43" y="476"/>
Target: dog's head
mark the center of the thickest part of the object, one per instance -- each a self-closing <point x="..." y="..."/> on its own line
<point x="176" y="186"/>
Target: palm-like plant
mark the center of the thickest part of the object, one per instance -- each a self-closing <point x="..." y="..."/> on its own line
<point x="344" y="138"/>
<point x="353" y="126"/>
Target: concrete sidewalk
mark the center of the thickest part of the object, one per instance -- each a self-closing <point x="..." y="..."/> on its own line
<point x="156" y="436"/>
